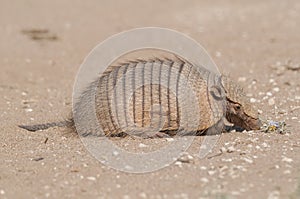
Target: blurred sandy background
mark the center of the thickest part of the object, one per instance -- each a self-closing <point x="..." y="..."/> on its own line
<point x="42" y="46"/>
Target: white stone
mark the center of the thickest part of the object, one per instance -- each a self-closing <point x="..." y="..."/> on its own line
<point x="223" y="149"/>
<point x="271" y="101"/>
<point x="205" y="180"/>
<point x="126" y="197"/>
<point x="287" y="172"/>
<point x="218" y="54"/>
<point x="143" y="195"/>
<point x="252" y="100"/>
<point x="230" y="149"/>
<point x="265" y="145"/>
<point x="91" y="178"/>
<point x="211" y="172"/>
<point x="141" y="145"/>
<point x="170" y="139"/>
<point x="178" y="163"/>
<point x="28" y="110"/>
<point x="286" y="159"/>
<point x="241" y="79"/>
<point x="248" y="160"/>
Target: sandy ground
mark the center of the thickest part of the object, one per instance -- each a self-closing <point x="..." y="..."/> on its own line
<point x="251" y="41"/>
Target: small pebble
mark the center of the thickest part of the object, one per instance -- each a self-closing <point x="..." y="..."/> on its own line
<point x="28" y="110"/>
<point x="141" y="145"/>
<point x="226" y="160"/>
<point x="265" y="97"/>
<point x="235" y="193"/>
<point x="287" y="172"/>
<point x="248" y="160"/>
<point x="126" y="197"/>
<point x="241" y="79"/>
<point x="223" y="150"/>
<point x="211" y="172"/>
<point x="265" y="145"/>
<point x="286" y="159"/>
<point x="293" y="67"/>
<point x="223" y="168"/>
<point x="252" y="100"/>
<point x="91" y="178"/>
<point x="170" y="139"/>
<point x="274" y="195"/>
<point x="186" y="158"/>
<point x="230" y="149"/>
<point x="271" y="101"/>
<point x="143" y="195"/>
<point x="129" y="168"/>
<point x="178" y="163"/>
<point x="269" y="94"/>
<point x="205" y="180"/>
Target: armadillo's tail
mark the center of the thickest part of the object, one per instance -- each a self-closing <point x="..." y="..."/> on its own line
<point x="37" y="127"/>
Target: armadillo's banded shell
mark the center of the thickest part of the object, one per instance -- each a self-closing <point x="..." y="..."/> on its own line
<point x="152" y="94"/>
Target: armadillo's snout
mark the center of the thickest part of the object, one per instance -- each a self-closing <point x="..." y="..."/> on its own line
<point x="258" y="124"/>
<point x="252" y="124"/>
<point x="244" y="121"/>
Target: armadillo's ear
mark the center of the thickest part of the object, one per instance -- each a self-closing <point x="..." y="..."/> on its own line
<point x="217" y="92"/>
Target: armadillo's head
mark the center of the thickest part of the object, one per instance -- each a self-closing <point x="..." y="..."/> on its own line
<point x="238" y="108"/>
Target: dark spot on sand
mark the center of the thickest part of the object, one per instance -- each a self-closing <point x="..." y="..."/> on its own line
<point x="40" y="34"/>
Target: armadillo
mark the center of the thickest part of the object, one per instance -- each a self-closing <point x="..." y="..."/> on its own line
<point x="126" y="95"/>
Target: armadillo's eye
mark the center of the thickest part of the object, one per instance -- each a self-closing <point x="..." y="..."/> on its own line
<point x="238" y="107"/>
